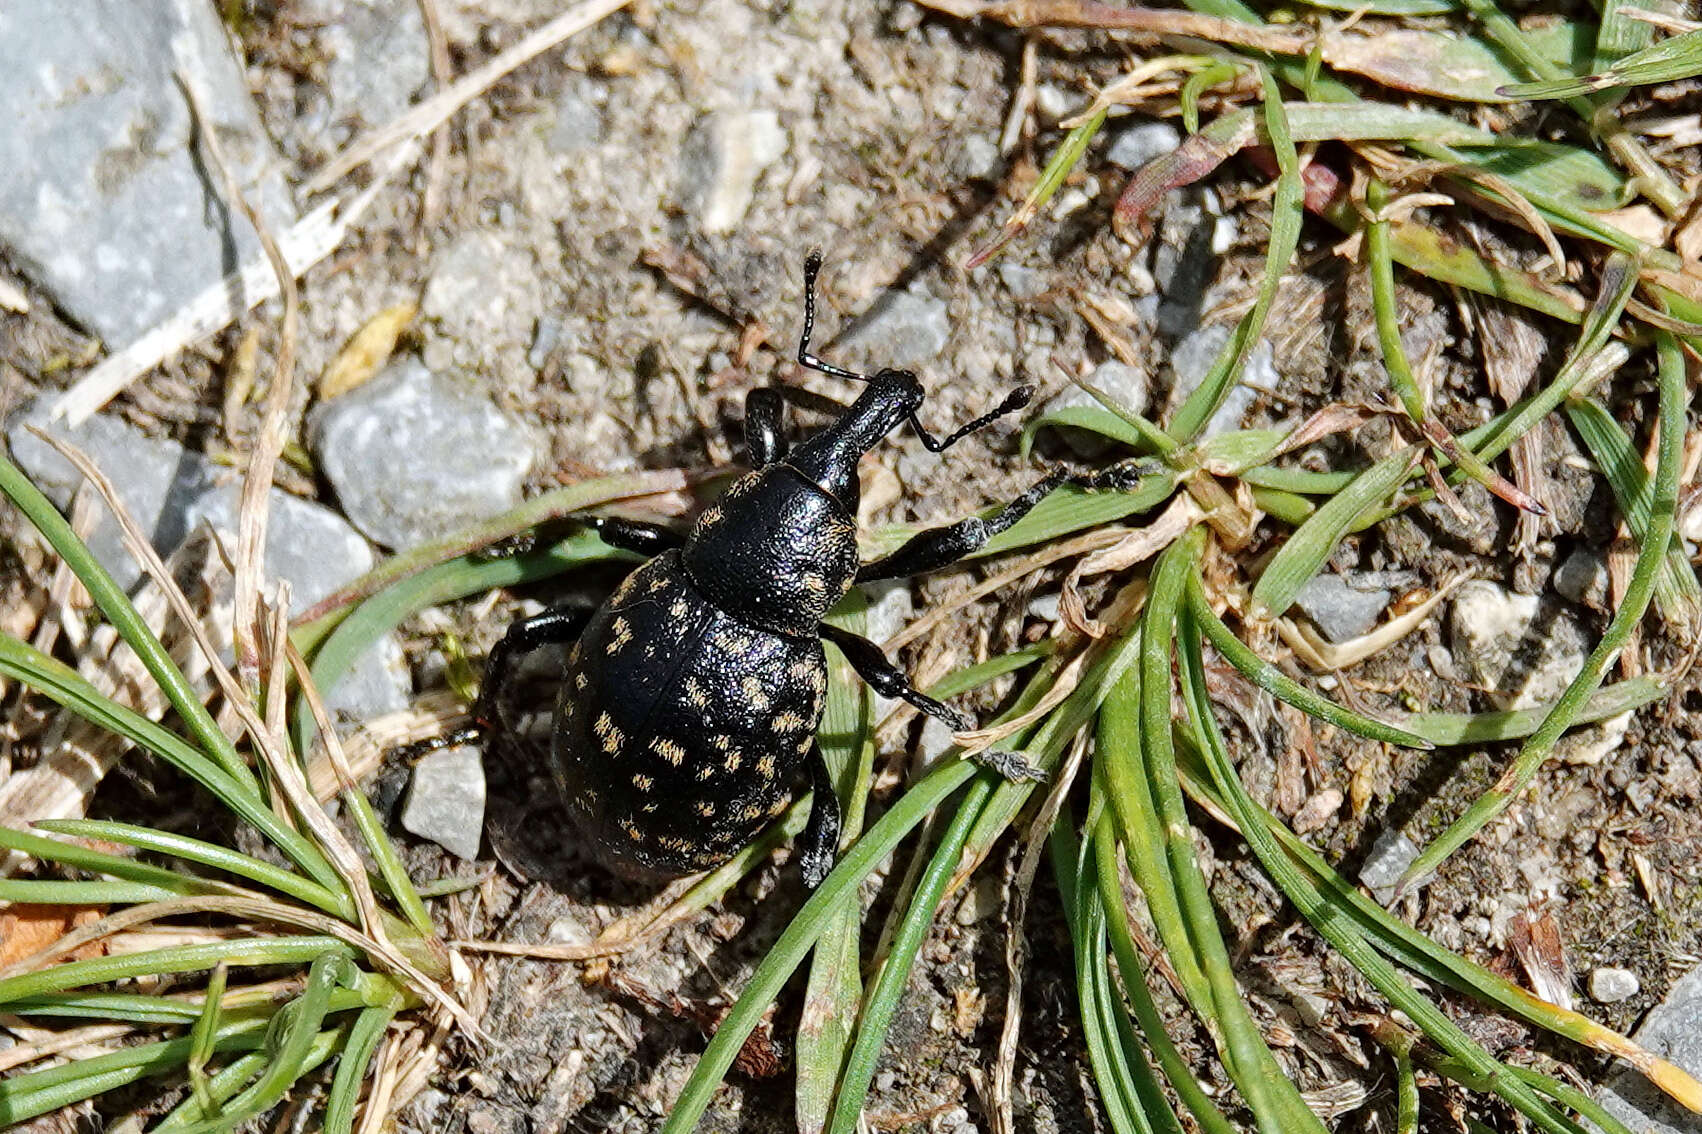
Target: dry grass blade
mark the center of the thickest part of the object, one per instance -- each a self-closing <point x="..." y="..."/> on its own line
<point x="1320" y="654"/>
<point x="428" y="115"/>
<point x="254" y="509"/>
<point x="1135" y="547"/>
<point x="1016" y="942"/>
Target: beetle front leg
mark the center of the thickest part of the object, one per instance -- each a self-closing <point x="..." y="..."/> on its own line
<point x="818" y="845"/>
<point x="887" y="679"/>
<point x="521" y="639"/>
<point x="940" y="547"/>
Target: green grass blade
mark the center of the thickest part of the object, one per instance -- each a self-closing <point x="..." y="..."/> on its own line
<point x="92" y="893"/>
<point x="1677" y="595"/>
<point x="787" y="952"/>
<point x="913" y="929"/>
<point x="1171" y="1062"/>
<point x="1114" y="1073"/>
<point x="834" y="992"/>
<point x="1287" y="211"/>
<point x="205" y="854"/>
<point x="1325" y="917"/>
<point x="176" y="959"/>
<point x="64" y="686"/>
<point x="1651" y="558"/>
<point x="300" y="1021"/>
<point x="1299" y="559"/>
<point x="203" y="1036"/>
<point x="1679" y="57"/>
<point x="119" y="611"/>
<point x="102" y="862"/>
<point x="1448" y="729"/>
<point x="1276" y="1103"/>
<point x="1283" y="687"/>
<point x="364" y="1036"/>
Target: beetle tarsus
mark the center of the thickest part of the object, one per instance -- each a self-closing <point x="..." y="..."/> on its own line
<point x="1012" y="766"/>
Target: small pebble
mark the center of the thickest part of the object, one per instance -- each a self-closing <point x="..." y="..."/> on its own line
<point x="1582" y="577"/>
<point x="1136" y="145"/>
<point x="446" y="800"/>
<point x="903" y="328"/>
<point x="1610" y="985"/>
<point x="1340" y="610"/>
<point x="723" y="157"/>
<point x="1390" y="856"/>
<point x="1673" y="1031"/>
<point x="1523" y="648"/>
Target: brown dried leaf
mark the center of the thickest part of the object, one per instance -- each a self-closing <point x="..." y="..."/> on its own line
<point x="27" y="929"/>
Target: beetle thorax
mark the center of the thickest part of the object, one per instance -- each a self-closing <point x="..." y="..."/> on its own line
<point x="775" y="552"/>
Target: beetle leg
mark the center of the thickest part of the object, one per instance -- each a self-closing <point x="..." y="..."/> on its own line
<point x="765" y="427"/>
<point x="818" y="845"/>
<point x="522" y="638"/>
<point x="939" y="547"/>
<point x="1015" y="400"/>
<point x="633" y="535"/>
<point x="552" y="626"/>
<point x="887" y="679"/>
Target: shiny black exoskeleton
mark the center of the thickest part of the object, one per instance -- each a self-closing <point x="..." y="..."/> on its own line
<point x="688" y="709"/>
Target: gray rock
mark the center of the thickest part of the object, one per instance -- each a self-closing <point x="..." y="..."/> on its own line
<point x="1021" y="282"/>
<point x="446" y="801"/>
<point x="1136" y="145"/>
<point x="1672" y="1030"/>
<point x="414" y="456"/>
<point x="483" y="299"/>
<point x="723" y="157"/>
<point x="977" y="157"/>
<point x="377" y="683"/>
<point x="379" y="57"/>
<point x="903" y="328"/>
<point x="1390" y="856"/>
<point x="102" y="201"/>
<point x="172" y="491"/>
<point x="1340" y="610"/>
<point x="1193" y="358"/>
<point x="1522" y="648"/>
<point x="1609" y="985"/>
<point x="1582" y="577"/>
<point x="579" y="122"/>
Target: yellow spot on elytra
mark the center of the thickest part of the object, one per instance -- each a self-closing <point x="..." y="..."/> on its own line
<point x="668" y="750"/>
<point x="755" y="695"/>
<point x="657" y="581"/>
<point x="711" y="516"/>
<point x="678" y="608"/>
<point x="622" y="634"/>
<point x="624" y="591"/>
<point x="611" y="735"/>
<point x="674" y="843"/>
<point x="695" y="692"/>
<point x="804" y="743"/>
<point x="643" y="782"/>
<point x="580" y="681"/>
<point x="776" y="807"/>
<point x="704" y="771"/>
<point x="749" y="811"/>
<point x="814" y="584"/>
<point x="649" y="809"/>
<point x="766" y="767"/>
<point x="786" y="722"/>
<point x="631" y="829"/>
<point x="704" y="808"/>
<point x="733" y="760"/>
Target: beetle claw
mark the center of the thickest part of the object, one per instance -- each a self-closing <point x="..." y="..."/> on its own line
<point x="1013" y="766"/>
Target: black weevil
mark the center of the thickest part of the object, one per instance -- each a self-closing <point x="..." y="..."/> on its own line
<point x="688" y="709"/>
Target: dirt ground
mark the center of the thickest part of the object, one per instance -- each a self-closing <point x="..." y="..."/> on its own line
<point x="891" y="120"/>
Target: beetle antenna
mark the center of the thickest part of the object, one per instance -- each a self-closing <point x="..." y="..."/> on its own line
<point x="1015" y="400"/>
<point x="812" y="269"/>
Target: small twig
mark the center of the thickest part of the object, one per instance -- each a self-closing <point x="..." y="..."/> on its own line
<point x="431" y="199"/>
<point x="428" y="115"/>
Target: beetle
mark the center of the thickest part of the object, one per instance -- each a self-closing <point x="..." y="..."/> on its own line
<point x="689" y="702"/>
